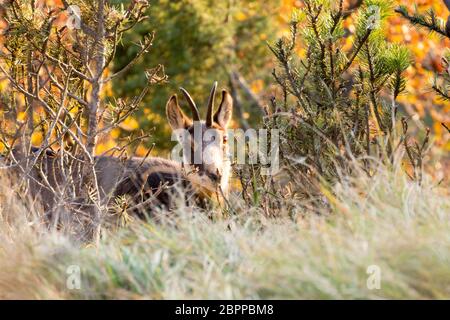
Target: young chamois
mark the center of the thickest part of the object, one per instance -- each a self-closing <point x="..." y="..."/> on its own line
<point x="153" y="182"/>
<point x="204" y="171"/>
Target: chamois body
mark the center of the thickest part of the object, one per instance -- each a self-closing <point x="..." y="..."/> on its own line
<point x="156" y="180"/>
<point x="148" y="183"/>
<point x="139" y="179"/>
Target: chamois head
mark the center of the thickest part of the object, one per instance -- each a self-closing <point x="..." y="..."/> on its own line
<point x="204" y="143"/>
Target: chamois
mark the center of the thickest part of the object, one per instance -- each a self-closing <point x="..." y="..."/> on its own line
<point x="152" y="182"/>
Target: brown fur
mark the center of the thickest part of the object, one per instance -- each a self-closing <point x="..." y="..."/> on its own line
<point x="153" y="181"/>
<point x="139" y="179"/>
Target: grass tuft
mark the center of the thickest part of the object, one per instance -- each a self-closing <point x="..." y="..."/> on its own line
<point x="386" y="221"/>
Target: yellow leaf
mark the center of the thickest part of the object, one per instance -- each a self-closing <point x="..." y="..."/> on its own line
<point x="104" y="147"/>
<point x="240" y="16"/>
<point x="21" y="116"/>
<point x="141" y="151"/>
<point x="36" y="138"/>
<point x="129" y="124"/>
<point x="115" y="133"/>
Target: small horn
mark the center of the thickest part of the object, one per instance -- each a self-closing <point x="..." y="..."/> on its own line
<point x="209" y="113"/>
<point x="195" y="113"/>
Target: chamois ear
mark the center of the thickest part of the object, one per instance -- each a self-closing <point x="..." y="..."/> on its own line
<point x="176" y="117"/>
<point x="223" y="115"/>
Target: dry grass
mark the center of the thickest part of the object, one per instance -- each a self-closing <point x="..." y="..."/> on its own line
<point x="386" y="221"/>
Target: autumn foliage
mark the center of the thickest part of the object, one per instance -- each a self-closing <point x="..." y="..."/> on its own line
<point x="418" y="101"/>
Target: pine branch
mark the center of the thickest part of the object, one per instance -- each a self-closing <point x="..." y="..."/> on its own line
<point x="448" y="129"/>
<point x="428" y="21"/>
<point x="445" y="96"/>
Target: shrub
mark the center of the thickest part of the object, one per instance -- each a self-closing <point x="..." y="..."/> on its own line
<point x="339" y="88"/>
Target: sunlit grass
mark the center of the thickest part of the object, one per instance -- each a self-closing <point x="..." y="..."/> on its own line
<point x="386" y="221"/>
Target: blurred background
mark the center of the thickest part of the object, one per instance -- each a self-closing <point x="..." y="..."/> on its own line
<point x="201" y="41"/>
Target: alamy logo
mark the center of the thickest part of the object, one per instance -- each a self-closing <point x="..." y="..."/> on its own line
<point x="242" y="147"/>
<point x="374" y="19"/>
<point x="73" y="281"/>
<point x="74" y="18"/>
<point x="374" y="279"/>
